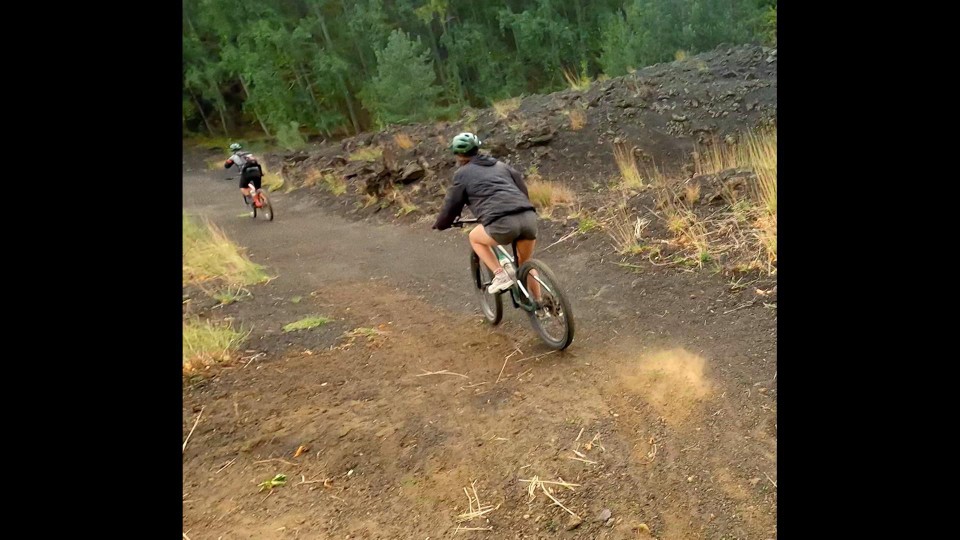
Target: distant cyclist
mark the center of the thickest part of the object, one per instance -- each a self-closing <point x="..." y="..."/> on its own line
<point x="250" y="170"/>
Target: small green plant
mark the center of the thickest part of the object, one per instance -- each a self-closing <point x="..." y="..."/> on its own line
<point x="307" y="323"/>
<point x="335" y="184"/>
<point x="276" y="481"/>
<point x="587" y="224"/>
<point x="406" y="208"/>
<point x="296" y="299"/>
<point x="365" y="332"/>
<point x="229" y="296"/>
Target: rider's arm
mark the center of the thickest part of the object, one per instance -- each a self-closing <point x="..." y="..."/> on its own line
<point x="518" y="180"/>
<point x="452" y="206"/>
<point x="228" y="164"/>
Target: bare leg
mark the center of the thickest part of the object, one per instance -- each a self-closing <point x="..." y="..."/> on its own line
<point x="481" y="243"/>
<point x="524" y="253"/>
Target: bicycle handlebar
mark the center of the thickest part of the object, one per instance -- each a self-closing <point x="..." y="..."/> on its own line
<point x="461" y="222"/>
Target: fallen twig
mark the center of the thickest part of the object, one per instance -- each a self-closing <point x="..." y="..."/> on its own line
<point x="501" y="369"/>
<point x="595" y="441"/>
<point x="303" y="480"/>
<point x="480" y="511"/>
<point x="442" y="372"/>
<point x="558" y="503"/>
<point x="741" y="306"/>
<point x="229" y="463"/>
<point x="185" y="441"/>
<point x="535" y="357"/>
<point x="560" y="483"/>
<point x="516" y="350"/>
<point x="770" y="479"/>
<point x="565" y="237"/>
<point x="285" y="462"/>
<point x="254" y="357"/>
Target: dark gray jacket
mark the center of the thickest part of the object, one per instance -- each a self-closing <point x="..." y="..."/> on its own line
<point x="492" y="189"/>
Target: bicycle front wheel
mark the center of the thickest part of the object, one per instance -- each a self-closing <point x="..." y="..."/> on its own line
<point x="553" y="318"/>
<point x="491" y="304"/>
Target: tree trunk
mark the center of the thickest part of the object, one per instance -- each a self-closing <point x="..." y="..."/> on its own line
<point x="243" y="83"/>
<point x="580" y="34"/>
<point x="436" y="53"/>
<point x="223" y="118"/>
<point x="306" y="82"/>
<point x="200" y="110"/>
<point x="343" y="85"/>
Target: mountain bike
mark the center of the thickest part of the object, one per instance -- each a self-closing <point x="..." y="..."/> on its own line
<point x="260" y="201"/>
<point x="549" y="312"/>
<point x="257" y="200"/>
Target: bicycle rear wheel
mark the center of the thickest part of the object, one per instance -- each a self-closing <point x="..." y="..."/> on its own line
<point x="491" y="304"/>
<point x="267" y="207"/>
<point x="553" y="318"/>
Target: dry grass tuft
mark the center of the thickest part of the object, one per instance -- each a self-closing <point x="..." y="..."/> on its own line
<point x="403" y="141"/>
<point x="627" y="164"/>
<point x="504" y="107"/>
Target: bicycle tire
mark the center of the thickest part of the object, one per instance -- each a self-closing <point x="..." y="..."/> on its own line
<point x="560" y="342"/>
<point x="267" y="207"/>
<point x="490" y="304"/>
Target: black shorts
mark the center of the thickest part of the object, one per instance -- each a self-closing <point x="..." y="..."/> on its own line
<point x="255" y="179"/>
<point x="521" y="226"/>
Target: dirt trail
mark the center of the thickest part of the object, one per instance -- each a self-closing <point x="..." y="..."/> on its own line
<point x="672" y="376"/>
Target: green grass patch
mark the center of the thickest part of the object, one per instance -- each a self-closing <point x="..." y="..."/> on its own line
<point x="307" y="323"/>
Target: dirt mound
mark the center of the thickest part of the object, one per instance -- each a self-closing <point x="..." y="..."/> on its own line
<point x="657" y="116"/>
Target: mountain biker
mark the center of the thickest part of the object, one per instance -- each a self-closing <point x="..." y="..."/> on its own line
<point x="250" y="170"/>
<point x="498" y="197"/>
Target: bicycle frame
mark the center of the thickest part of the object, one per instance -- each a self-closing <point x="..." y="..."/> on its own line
<point x="526" y="302"/>
<point x="253" y="194"/>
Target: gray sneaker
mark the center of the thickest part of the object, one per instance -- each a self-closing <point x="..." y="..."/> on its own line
<point x="501" y="282"/>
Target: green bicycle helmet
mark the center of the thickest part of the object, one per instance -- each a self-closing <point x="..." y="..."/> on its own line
<point x="235" y="146"/>
<point x="464" y="142"/>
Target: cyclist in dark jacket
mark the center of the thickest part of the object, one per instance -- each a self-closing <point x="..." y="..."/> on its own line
<point x="497" y="196"/>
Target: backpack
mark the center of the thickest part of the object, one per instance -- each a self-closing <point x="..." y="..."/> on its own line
<point x="251" y="169"/>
